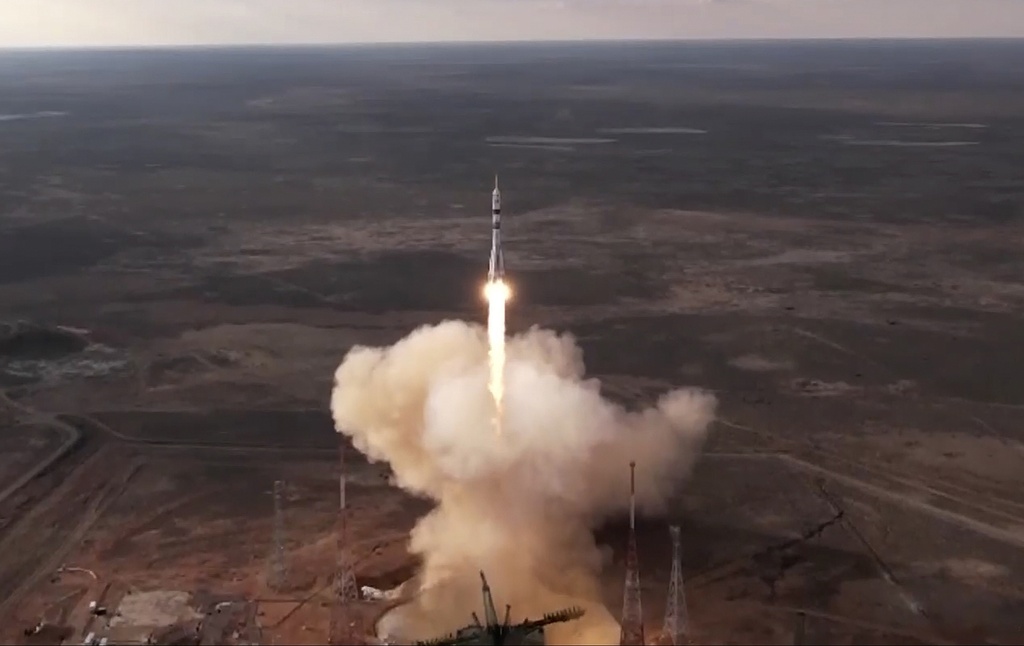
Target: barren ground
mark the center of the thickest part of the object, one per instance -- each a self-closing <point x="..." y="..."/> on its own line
<point x="855" y="302"/>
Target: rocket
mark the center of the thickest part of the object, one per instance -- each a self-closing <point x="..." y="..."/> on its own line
<point x="496" y="269"/>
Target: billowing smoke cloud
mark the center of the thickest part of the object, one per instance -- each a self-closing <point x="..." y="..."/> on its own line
<point x="519" y="505"/>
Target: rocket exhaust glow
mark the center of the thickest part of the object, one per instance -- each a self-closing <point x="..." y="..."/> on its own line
<point x="497" y="294"/>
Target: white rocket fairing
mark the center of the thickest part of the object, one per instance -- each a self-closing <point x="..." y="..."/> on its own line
<point x="496" y="269"/>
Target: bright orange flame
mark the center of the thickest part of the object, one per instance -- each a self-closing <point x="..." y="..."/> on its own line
<point x="497" y="294"/>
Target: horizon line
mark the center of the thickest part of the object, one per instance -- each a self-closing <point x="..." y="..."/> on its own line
<point x="532" y="41"/>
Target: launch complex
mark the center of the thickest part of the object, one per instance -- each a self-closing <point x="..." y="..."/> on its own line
<point x="122" y="561"/>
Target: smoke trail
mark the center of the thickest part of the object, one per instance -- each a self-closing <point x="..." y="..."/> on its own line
<point x="497" y="293"/>
<point x="520" y="505"/>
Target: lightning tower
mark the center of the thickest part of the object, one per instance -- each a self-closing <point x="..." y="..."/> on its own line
<point x="343" y="589"/>
<point x="632" y="633"/>
<point x="677" y="620"/>
<point x="278" y="574"/>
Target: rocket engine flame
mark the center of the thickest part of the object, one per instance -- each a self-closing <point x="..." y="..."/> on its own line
<point x="497" y="294"/>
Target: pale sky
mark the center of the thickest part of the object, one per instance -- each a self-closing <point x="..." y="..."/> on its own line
<point x="34" y="23"/>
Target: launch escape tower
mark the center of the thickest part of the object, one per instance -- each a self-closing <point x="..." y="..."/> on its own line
<point x="677" y="619"/>
<point x="632" y="613"/>
<point x="277" y="575"/>
<point x="343" y="589"/>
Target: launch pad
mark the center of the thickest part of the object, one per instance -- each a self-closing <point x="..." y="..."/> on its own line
<point x="756" y="561"/>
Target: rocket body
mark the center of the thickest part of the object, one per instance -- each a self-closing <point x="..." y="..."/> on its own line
<point x="496" y="268"/>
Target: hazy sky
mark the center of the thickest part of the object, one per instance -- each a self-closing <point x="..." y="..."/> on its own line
<point x="156" y="22"/>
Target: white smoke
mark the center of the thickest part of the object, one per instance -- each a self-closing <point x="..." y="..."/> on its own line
<point x="519" y="505"/>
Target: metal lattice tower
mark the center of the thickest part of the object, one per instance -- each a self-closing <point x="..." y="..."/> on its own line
<point x="344" y="590"/>
<point x="677" y="619"/>
<point x="277" y="577"/>
<point x="632" y="612"/>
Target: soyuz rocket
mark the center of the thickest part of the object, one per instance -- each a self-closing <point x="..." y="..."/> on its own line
<point x="496" y="269"/>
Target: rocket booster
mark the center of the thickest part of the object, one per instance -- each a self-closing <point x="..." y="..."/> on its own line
<point x="496" y="269"/>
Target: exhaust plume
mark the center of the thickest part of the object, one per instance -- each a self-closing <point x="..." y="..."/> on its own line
<point x="520" y="505"/>
<point x="497" y="294"/>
